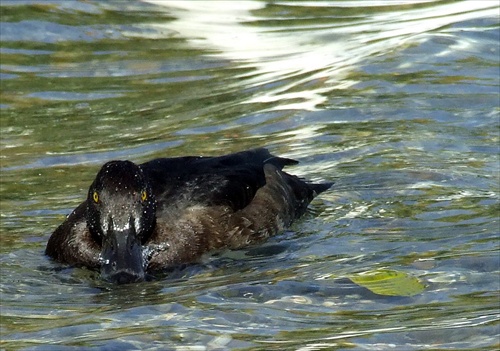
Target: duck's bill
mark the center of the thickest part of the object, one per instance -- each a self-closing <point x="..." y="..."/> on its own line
<point x="121" y="255"/>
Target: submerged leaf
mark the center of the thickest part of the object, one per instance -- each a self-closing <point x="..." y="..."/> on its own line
<point x="389" y="282"/>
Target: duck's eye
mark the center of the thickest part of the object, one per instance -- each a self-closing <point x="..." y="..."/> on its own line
<point x="144" y="195"/>
<point x="95" y="196"/>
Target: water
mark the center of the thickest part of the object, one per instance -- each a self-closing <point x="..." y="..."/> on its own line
<point x="396" y="102"/>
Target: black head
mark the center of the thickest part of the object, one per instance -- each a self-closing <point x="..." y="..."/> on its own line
<point x="121" y="215"/>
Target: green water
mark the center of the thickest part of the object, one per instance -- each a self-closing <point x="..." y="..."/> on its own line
<point x="397" y="103"/>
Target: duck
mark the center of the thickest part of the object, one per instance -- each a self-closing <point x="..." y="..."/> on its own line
<point x="138" y="219"/>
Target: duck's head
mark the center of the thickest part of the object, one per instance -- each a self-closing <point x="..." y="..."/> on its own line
<point x="121" y="215"/>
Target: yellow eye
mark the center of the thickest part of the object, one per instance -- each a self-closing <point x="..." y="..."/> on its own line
<point x="95" y="196"/>
<point x="144" y="195"/>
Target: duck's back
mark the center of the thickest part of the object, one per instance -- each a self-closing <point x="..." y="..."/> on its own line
<point x="231" y="180"/>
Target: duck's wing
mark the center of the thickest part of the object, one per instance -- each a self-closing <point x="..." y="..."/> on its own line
<point x="231" y="180"/>
<point x="72" y="242"/>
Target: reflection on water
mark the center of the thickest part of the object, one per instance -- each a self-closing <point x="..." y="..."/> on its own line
<point x="310" y="53"/>
<point x="397" y="102"/>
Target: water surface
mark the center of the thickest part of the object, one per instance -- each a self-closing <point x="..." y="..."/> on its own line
<point x="397" y="102"/>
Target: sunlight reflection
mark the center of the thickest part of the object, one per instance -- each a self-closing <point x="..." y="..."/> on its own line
<point x="301" y="56"/>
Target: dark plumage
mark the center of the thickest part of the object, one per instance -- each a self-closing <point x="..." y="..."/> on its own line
<point x="169" y="211"/>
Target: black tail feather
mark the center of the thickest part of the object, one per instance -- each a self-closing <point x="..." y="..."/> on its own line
<point x="280" y="162"/>
<point x="318" y="188"/>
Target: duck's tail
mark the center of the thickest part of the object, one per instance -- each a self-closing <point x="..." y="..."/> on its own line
<point x="318" y="188"/>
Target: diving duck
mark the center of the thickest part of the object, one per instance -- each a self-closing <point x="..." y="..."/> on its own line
<point x="142" y="218"/>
